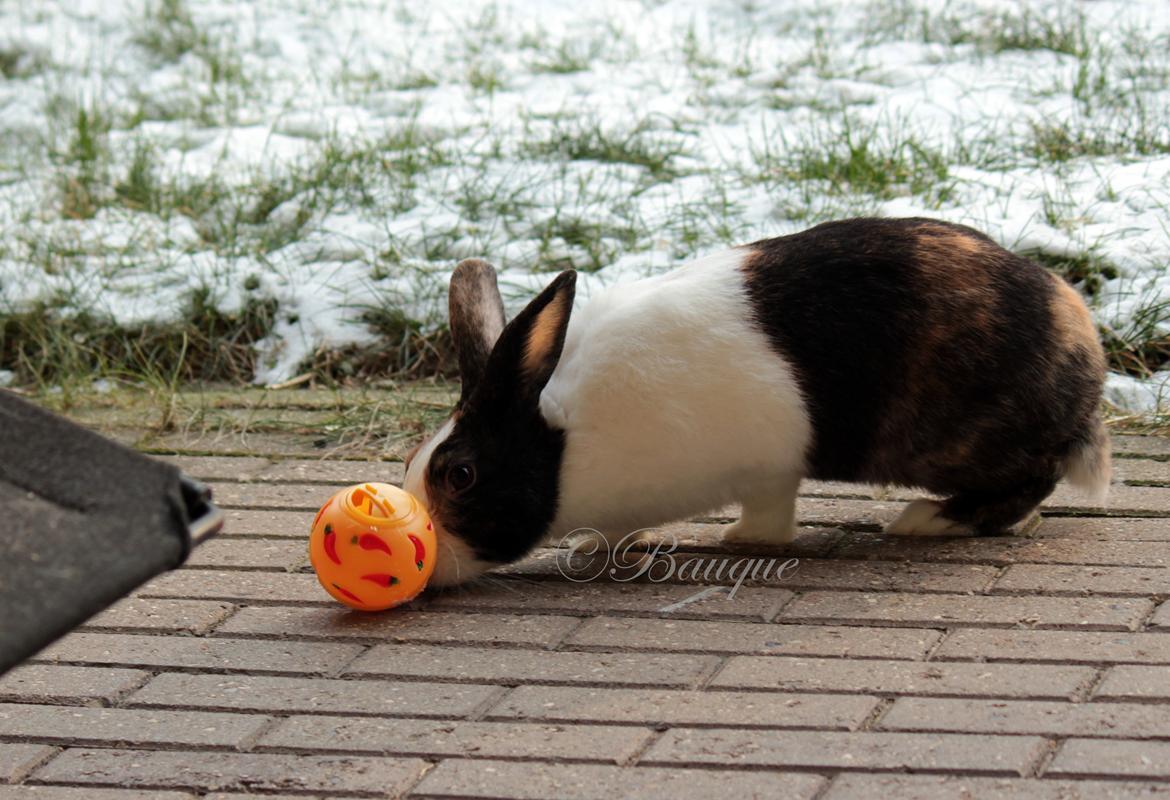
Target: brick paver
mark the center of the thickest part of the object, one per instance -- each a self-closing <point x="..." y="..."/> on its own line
<point x="238" y="586"/>
<point x="155" y="769"/>
<point x="671" y="707"/>
<point x="199" y="653"/>
<point x="287" y="554"/>
<point x="1077" y="580"/>
<point x="511" y="667"/>
<point x="266" y="524"/>
<point x="928" y="678"/>
<point x="946" y="787"/>
<point x="180" y="616"/>
<point x="17" y="760"/>
<point x="752" y="603"/>
<point x="429" y="738"/>
<point x="29" y="792"/>
<point x="874" y="666"/>
<point x="1161" y="618"/>
<point x="281" y="694"/>
<point x="1014" y="755"/>
<point x="50" y="683"/>
<point x="1054" y="547"/>
<point x="1070" y="647"/>
<point x="889" y="576"/>
<point x="1130" y="682"/>
<point x="537" y="630"/>
<point x="71" y="725"/>
<point x="1120" y="720"/>
<point x="728" y="637"/>
<point x="1102" y="757"/>
<point x="865" y="608"/>
<point x="1114" y="529"/>
<point x="294" y="496"/>
<point x="528" y="781"/>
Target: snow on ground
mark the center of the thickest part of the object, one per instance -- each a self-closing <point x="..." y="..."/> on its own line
<point x="338" y="156"/>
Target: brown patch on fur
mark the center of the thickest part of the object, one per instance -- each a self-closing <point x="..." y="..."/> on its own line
<point x="953" y="269"/>
<point x="542" y="338"/>
<point x="954" y="266"/>
<point x="953" y="260"/>
<point x="1072" y="321"/>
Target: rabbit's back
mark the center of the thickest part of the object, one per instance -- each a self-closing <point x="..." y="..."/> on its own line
<point x="926" y="354"/>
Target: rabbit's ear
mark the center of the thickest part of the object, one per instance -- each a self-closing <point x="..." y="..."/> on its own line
<point x="477" y="319"/>
<point x="528" y="350"/>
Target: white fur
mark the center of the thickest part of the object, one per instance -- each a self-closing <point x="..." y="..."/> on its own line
<point x="413" y="481"/>
<point x="455" y="561"/>
<point x="673" y="403"/>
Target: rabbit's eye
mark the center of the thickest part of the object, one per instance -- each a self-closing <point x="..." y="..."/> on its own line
<point x="460" y="477"/>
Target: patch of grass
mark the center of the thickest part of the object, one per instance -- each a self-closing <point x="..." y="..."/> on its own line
<point x="416" y="80"/>
<point x="1066" y="32"/>
<point x="1061" y="29"/>
<point x="875" y="159"/>
<point x="358" y="84"/>
<point x="479" y="200"/>
<point x="1091" y="83"/>
<point x="891" y="20"/>
<point x="715" y="217"/>
<point x="1058" y="142"/>
<point x="1141" y="347"/>
<point x="9" y="61"/>
<point x="569" y="241"/>
<point x="19" y="62"/>
<point x="139" y="188"/>
<point x="319" y="417"/>
<point x="820" y="54"/>
<point x="228" y="85"/>
<point x="1141" y="424"/>
<point x="406" y="348"/>
<point x="1087" y="271"/>
<point x="236" y="220"/>
<point x="45" y="346"/>
<point x="167" y="29"/>
<point x="864" y="163"/>
<point x="242" y="218"/>
<point x="82" y="179"/>
<point x="568" y="57"/>
<point x="695" y="54"/>
<point x="485" y="77"/>
<point x="640" y="145"/>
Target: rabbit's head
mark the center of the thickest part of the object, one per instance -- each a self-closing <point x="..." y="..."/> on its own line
<point x="490" y="476"/>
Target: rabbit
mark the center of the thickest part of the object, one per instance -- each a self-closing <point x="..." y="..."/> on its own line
<point x="908" y="352"/>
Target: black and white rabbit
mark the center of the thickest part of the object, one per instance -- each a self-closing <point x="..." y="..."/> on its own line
<point x="905" y="352"/>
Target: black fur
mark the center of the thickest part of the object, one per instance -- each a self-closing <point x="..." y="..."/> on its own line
<point x="928" y="357"/>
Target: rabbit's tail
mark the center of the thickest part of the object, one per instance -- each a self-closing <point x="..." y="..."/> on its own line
<point x="1089" y="465"/>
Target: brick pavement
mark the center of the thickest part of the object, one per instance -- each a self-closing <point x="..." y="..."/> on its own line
<point x="958" y="668"/>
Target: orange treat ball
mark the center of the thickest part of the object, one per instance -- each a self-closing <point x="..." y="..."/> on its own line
<point x="373" y="546"/>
